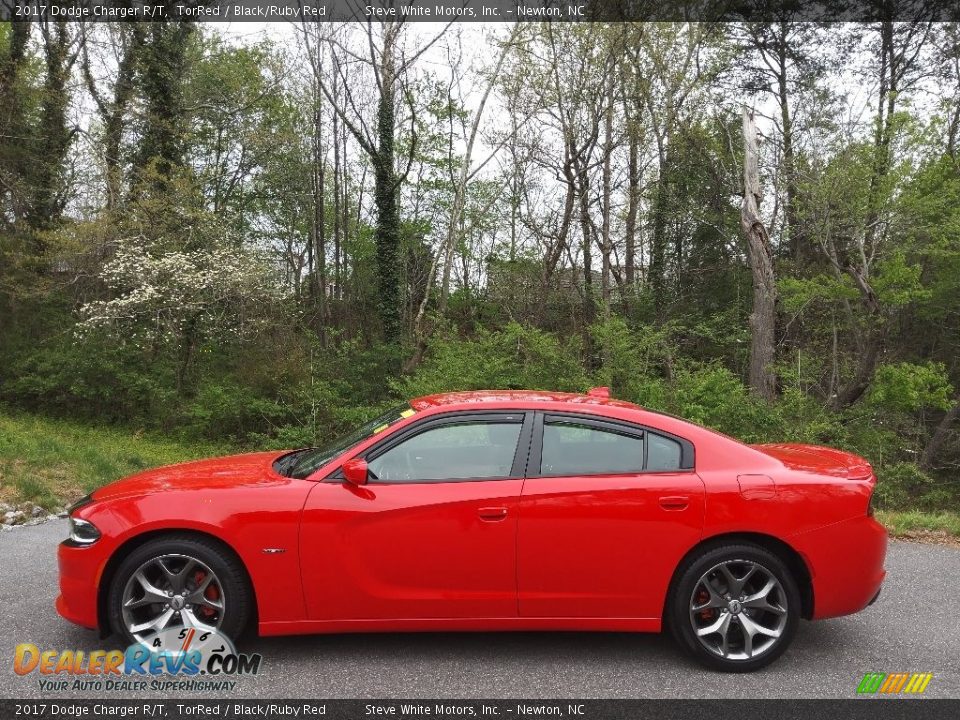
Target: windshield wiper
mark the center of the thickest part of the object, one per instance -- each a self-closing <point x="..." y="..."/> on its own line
<point x="288" y="462"/>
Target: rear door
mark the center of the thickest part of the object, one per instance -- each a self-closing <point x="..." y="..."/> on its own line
<point x="607" y="511"/>
<point x="432" y="535"/>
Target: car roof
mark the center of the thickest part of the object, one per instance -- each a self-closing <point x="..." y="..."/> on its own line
<point x="525" y="398"/>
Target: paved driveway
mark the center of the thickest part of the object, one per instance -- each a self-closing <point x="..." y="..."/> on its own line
<point x="915" y="626"/>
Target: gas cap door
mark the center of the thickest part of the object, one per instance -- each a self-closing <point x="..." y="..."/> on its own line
<point x="757" y="487"/>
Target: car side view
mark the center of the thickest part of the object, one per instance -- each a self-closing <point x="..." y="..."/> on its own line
<point x="489" y="511"/>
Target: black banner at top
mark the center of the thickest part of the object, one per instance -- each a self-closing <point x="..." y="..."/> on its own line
<point x="480" y="10"/>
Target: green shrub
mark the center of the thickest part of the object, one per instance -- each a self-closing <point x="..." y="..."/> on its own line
<point x="909" y="387"/>
<point x="229" y="410"/>
<point x="514" y="357"/>
<point x="631" y="362"/>
<point x="92" y="380"/>
<point x="713" y="396"/>
<point x="901" y="485"/>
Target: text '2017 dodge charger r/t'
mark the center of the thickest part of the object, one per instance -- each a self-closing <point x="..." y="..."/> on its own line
<point x="489" y="510"/>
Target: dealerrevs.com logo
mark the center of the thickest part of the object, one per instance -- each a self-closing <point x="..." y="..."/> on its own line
<point x="902" y="683"/>
<point x="173" y="661"/>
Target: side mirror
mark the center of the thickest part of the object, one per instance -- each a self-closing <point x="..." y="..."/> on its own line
<point x="355" y="471"/>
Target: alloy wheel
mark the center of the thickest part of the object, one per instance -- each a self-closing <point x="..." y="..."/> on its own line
<point x="169" y="591"/>
<point x="738" y="610"/>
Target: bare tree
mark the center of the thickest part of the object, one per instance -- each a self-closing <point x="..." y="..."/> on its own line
<point x="126" y="40"/>
<point x="459" y="183"/>
<point x="390" y="66"/>
<point x="669" y="67"/>
<point x="763" y="317"/>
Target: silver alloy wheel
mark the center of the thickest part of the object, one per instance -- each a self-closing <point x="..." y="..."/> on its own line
<point x="169" y="591"/>
<point x="738" y="609"/>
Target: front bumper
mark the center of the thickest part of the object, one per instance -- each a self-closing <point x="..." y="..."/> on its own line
<point x="846" y="565"/>
<point x="80" y="568"/>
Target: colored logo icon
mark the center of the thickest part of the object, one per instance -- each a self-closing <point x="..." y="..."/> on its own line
<point x="894" y="683"/>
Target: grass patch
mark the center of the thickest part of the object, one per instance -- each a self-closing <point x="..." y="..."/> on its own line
<point x="54" y="462"/>
<point x="912" y="521"/>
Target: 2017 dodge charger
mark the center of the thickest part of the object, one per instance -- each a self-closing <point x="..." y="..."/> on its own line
<point x="493" y="510"/>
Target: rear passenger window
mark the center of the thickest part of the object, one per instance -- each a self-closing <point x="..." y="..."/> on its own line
<point x="572" y="449"/>
<point x="662" y="453"/>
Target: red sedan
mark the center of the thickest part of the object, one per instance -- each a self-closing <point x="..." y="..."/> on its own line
<point x="489" y="511"/>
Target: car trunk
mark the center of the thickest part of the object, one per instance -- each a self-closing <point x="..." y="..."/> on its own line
<point x="818" y="459"/>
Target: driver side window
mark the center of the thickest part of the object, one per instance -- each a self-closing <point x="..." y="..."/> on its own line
<point x="467" y="450"/>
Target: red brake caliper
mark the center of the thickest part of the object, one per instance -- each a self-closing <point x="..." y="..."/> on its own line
<point x="702" y="597"/>
<point x="211" y="593"/>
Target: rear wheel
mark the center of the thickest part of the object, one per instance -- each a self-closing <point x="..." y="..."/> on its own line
<point x="735" y="608"/>
<point x="178" y="581"/>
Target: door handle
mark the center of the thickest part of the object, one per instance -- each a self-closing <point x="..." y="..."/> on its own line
<point x="492" y="514"/>
<point x="674" y="502"/>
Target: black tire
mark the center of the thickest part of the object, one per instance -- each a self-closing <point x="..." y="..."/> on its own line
<point x="737" y="558"/>
<point x="237" y="596"/>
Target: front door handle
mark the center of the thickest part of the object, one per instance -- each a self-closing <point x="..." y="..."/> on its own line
<point x="674" y="502"/>
<point x="492" y="514"/>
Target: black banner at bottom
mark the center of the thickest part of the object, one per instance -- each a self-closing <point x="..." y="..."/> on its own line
<point x="856" y="709"/>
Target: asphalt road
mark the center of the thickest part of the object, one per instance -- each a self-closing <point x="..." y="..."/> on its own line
<point x="915" y="626"/>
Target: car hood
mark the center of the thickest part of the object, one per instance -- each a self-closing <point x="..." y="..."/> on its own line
<point x="818" y="459"/>
<point x="211" y="474"/>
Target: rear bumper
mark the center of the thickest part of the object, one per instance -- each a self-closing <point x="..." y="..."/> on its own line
<point x="79" y="575"/>
<point x="846" y="565"/>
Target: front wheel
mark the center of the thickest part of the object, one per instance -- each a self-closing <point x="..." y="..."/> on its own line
<point x="178" y="581"/>
<point x="735" y="608"/>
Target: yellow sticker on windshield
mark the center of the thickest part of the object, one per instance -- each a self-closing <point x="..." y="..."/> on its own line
<point x="381" y="428"/>
<point x="408" y="413"/>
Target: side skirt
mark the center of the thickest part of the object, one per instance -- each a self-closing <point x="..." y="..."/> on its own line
<point x="309" y="627"/>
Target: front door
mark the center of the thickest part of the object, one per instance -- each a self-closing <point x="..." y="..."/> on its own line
<point x="607" y="512"/>
<point x="433" y="532"/>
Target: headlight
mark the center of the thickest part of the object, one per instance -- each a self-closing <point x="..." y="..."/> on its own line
<point x="83" y="532"/>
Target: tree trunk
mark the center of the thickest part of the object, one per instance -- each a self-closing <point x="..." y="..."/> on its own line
<point x="797" y="245"/>
<point x="317" y="282"/>
<point x="338" y="228"/>
<point x="345" y="209"/>
<point x="939" y="437"/>
<point x="161" y="79"/>
<point x="874" y="331"/>
<point x="658" y="240"/>
<point x="762" y="320"/>
<point x="633" y="207"/>
<point x="13" y="63"/>
<point x="606" y="241"/>
<point x="385" y="198"/>
<point x="114" y="121"/>
<point x="583" y="191"/>
<point x="13" y="151"/>
<point x="53" y="137"/>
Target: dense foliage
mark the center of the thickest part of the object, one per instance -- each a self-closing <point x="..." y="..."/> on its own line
<point x="263" y="243"/>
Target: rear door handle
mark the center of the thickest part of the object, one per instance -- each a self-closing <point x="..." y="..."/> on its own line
<point x="492" y="514"/>
<point x="674" y="502"/>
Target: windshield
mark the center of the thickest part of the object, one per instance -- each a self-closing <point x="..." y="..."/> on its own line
<point x="307" y="461"/>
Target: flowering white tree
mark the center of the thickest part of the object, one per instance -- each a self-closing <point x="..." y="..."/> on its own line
<point x="220" y="293"/>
